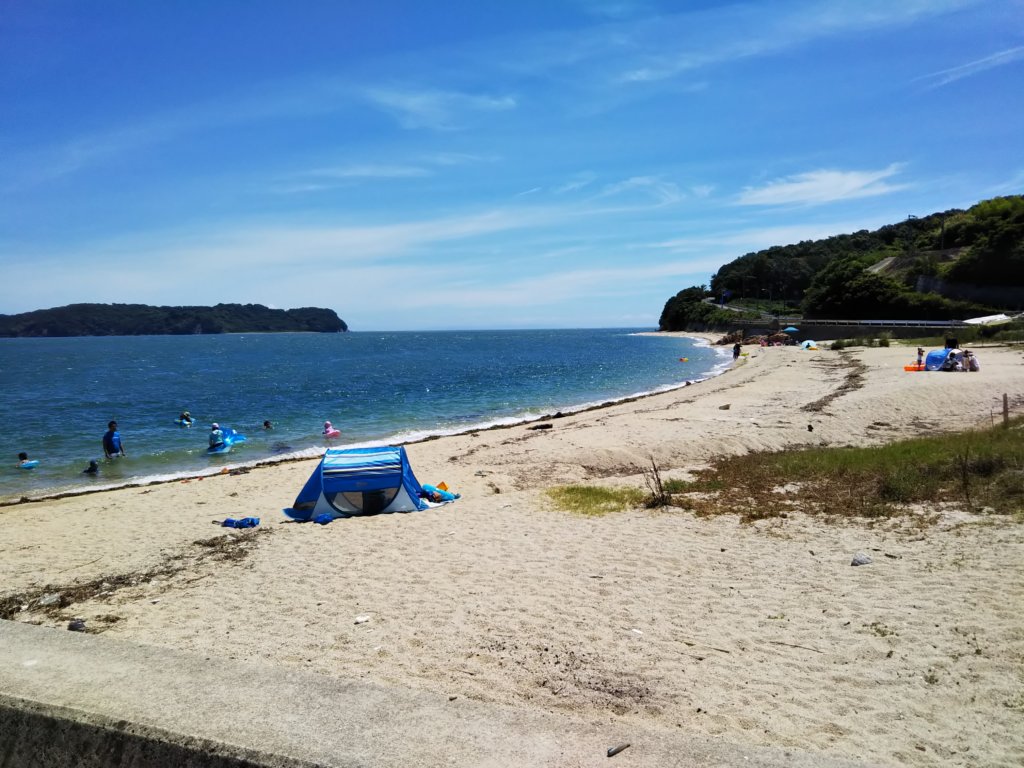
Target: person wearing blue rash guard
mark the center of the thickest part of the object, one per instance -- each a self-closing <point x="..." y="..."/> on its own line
<point x="112" y="445"/>
<point x="216" y="436"/>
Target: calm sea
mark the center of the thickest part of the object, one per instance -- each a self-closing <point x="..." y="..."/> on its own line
<point x="378" y="388"/>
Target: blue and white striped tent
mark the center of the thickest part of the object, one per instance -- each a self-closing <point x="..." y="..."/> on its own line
<point x="359" y="481"/>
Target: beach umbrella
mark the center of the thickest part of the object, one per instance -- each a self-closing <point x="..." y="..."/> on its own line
<point x="791" y="329"/>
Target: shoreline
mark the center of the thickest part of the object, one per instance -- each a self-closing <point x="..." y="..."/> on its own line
<point x="254" y="464"/>
<point x="760" y="634"/>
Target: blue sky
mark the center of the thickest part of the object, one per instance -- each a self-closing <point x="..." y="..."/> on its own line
<point x="418" y="165"/>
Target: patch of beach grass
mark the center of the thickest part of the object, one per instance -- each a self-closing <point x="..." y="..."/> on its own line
<point x="595" y="501"/>
<point x="980" y="470"/>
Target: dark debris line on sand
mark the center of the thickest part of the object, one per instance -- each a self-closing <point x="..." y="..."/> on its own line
<point x="225" y="548"/>
<point x="854" y="380"/>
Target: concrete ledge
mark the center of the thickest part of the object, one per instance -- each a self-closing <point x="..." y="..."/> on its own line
<point x="73" y="699"/>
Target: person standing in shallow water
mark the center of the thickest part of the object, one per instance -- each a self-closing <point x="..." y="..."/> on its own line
<point x="112" y="445"/>
<point x="216" y="436"/>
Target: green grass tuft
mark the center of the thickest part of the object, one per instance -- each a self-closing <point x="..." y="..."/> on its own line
<point x="591" y="501"/>
<point x="978" y="469"/>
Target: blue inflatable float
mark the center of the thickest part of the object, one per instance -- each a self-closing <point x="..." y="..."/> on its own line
<point x="231" y="438"/>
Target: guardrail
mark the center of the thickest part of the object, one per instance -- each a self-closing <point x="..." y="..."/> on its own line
<point x="876" y="323"/>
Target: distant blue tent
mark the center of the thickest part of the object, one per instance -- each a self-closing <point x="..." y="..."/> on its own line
<point x="935" y="359"/>
<point x="791" y="329"/>
<point x="359" y="481"/>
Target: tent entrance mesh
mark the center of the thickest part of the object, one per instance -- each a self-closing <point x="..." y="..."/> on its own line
<point x="362" y="502"/>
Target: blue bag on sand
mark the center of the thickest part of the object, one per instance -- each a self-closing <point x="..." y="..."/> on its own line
<point x="245" y="522"/>
<point x="323" y="518"/>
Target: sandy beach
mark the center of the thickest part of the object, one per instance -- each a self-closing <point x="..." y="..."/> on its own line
<point x="757" y="634"/>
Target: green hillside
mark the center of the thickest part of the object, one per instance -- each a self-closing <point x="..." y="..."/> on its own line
<point x="949" y="265"/>
<point x="144" y="320"/>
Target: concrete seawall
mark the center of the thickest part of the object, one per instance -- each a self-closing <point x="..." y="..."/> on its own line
<point x="68" y="699"/>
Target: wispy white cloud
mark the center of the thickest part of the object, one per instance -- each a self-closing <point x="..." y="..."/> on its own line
<point x="456" y="158"/>
<point x="614" y="9"/>
<point x="1014" y="185"/>
<point x="664" y="192"/>
<point x="737" y="239"/>
<point x="822" y="186"/>
<point x="370" y="171"/>
<point x="951" y="75"/>
<point x="575" y="184"/>
<point x="436" y="109"/>
<point x="668" y="46"/>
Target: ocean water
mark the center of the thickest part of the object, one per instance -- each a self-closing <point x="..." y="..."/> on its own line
<point x="57" y="395"/>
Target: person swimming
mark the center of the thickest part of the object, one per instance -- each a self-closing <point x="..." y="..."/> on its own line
<point x="267" y="424"/>
<point x="330" y="430"/>
<point x="93" y="468"/>
<point x="185" y="418"/>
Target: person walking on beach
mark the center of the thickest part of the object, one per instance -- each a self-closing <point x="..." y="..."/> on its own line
<point x="112" y="445"/>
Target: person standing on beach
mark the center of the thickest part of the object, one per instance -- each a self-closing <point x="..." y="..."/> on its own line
<point x="736" y="351"/>
<point x="112" y="445"/>
<point x="920" y="356"/>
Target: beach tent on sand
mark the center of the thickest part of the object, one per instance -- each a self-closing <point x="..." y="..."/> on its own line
<point x="359" y="481"/>
<point x="935" y="359"/>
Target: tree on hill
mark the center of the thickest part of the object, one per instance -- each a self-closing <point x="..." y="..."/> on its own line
<point x="689" y="310"/>
<point x="144" y="320"/>
<point x="995" y="234"/>
<point x="968" y="249"/>
<point x="847" y="290"/>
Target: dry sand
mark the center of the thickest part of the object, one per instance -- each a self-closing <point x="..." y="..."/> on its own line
<point x="758" y="634"/>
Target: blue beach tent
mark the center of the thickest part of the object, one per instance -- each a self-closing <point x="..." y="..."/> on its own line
<point x="935" y="359"/>
<point x="359" y="481"/>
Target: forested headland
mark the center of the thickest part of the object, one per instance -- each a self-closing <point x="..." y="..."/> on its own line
<point x="145" y="320"/>
<point x="949" y="265"/>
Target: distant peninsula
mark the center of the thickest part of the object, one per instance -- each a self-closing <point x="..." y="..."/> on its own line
<point x="144" y="320"/>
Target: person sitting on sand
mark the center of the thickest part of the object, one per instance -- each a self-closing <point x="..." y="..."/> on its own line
<point x="971" y="361"/>
<point x="216" y="436"/>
